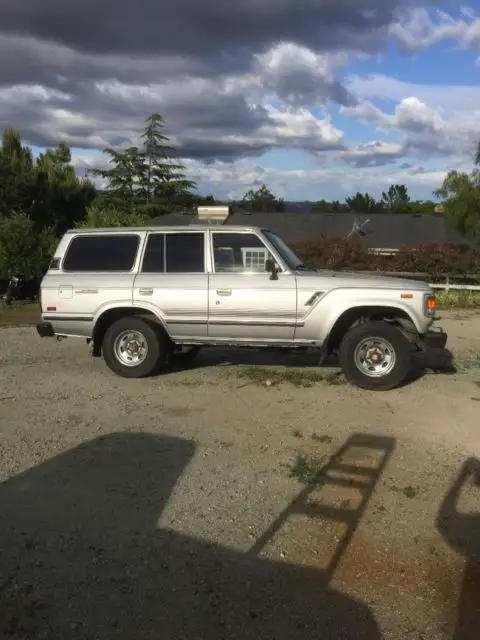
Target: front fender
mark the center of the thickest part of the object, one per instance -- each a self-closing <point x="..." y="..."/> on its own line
<point x="321" y="319"/>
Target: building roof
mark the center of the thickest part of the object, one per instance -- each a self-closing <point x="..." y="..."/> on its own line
<point x="377" y="230"/>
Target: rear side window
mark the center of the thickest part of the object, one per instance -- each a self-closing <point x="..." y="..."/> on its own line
<point x="174" y="253"/>
<point x="103" y="253"/>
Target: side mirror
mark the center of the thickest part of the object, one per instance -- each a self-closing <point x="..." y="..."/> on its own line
<point x="271" y="266"/>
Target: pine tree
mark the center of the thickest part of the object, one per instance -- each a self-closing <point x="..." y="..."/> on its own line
<point x="124" y="178"/>
<point x="163" y="180"/>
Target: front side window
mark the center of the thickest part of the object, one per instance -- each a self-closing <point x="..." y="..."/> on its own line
<point x="285" y="252"/>
<point x="239" y="252"/>
<point x="102" y="253"/>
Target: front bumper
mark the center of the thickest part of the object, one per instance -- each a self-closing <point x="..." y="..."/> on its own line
<point x="434" y="339"/>
<point x="45" y="330"/>
<point x="432" y="351"/>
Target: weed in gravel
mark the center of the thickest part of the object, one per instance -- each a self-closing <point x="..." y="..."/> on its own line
<point x="410" y="492"/>
<point x="296" y="377"/>
<point x="307" y="469"/>
<point x="297" y="434"/>
<point x="323" y="439"/>
<point x="468" y="364"/>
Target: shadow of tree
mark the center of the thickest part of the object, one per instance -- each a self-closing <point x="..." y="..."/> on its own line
<point x="461" y="530"/>
<point x="82" y="557"/>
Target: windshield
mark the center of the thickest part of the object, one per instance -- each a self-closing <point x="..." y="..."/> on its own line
<point x="285" y="252"/>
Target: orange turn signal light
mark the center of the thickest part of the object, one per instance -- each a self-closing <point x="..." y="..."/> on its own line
<point x="431" y="303"/>
<point x="406" y="296"/>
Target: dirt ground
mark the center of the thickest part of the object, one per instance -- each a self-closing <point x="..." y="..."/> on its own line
<point x="204" y="504"/>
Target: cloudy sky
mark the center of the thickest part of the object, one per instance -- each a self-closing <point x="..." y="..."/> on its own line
<point x="317" y="98"/>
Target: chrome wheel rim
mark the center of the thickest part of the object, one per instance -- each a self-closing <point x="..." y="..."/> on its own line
<point x="375" y="357"/>
<point x="130" y="348"/>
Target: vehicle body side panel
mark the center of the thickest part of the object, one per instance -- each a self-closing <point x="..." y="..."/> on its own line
<point x="77" y="299"/>
<point x="320" y="317"/>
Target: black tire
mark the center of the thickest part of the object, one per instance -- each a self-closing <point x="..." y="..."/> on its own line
<point x="155" y="339"/>
<point x="393" y="341"/>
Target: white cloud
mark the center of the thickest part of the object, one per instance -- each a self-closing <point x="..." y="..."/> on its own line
<point x="226" y="104"/>
<point x="234" y="179"/>
<point x="431" y="123"/>
<point x="417" y="29"/>
<point x="375" y="153"/>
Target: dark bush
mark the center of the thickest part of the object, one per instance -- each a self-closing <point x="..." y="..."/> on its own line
<point x="347" y="254"/>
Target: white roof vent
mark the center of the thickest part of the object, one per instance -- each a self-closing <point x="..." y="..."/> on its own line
<point x="214" y="215"/>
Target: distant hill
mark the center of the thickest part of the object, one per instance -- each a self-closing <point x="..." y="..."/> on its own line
<point x="298" y="207"/>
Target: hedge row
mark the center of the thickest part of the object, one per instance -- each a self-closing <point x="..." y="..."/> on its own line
<point x="350" y="254"/>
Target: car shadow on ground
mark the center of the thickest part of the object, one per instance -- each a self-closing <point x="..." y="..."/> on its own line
<point x="82" y="557"/>
<point x="219" y="356"/>
<point x="461" y="530"/>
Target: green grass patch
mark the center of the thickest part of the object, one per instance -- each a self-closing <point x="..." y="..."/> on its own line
<point x="468" y="364"/>
<point x="454" y="299"/>
<point x="323" y="439"/>
<point x="19" y="314"/>
<point x="307" y="469"/>
<point x="296" y="377"/>
<point x="410" y="492"/>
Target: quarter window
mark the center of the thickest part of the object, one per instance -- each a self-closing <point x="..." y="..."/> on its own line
<point x="101" y="253"/>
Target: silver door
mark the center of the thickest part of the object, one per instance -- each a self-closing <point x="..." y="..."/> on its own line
<point x="245" y="304"/>
<point x="173" y="282"/>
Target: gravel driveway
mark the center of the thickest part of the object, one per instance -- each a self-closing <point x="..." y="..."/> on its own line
<point x="167" y="508"/>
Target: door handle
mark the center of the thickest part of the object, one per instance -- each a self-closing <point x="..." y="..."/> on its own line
<point x="224" y="292"/>
<point x="145" y="292"/>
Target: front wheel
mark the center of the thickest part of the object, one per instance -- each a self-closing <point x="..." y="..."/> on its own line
<point x="134" y="347"/>
<point x="376" y="356"/>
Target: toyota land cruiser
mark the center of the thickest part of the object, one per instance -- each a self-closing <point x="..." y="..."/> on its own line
<point x="141" y="295"/>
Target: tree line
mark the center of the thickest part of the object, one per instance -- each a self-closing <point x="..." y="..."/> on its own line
<point x="42" y="197"/>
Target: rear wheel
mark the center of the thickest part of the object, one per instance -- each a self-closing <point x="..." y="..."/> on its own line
<point x="376" y="356"/>
<point x="135" y="347"/>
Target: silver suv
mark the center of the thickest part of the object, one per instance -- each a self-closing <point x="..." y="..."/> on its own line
<point x="142" y="295"/>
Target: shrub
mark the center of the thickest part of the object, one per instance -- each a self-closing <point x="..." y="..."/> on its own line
<point x="23" y="250"/>
<point x="346" y="254"/>
<point x="104" y="214"/>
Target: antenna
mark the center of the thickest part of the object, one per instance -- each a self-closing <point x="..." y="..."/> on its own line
<point x="358" y="226"/>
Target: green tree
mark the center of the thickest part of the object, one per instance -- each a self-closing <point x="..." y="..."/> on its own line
<point x="16" y="174"/>
<point x="104" y="214"/>
<point x="364" y="203"/>
<point x="460" y="193"/>
<point x="146" y="178"/>
<point x="422" y="206"/>
<point x="324" y="206"/>
<point x="47" y="190"/>
<point x="261" y="200"/>
<point x="124" y="177"/>
<point x="61" y="198"/>
<point x="396" y="199"/>
<point x="23" y="250"/>
<point x="162" y="179"/>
